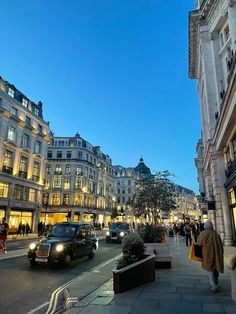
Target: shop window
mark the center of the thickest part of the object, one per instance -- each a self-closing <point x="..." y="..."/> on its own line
<point x="4" y="188"/>
<point x="232" y="198"/>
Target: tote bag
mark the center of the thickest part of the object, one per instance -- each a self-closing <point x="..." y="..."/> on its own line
<point x="195" y="252"/>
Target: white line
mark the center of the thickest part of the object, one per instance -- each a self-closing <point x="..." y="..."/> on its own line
<point x="55" y="294"/>
<point x="38" y="308"/>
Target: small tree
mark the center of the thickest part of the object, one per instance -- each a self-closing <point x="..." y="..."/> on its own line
<point x="155" y="194"/>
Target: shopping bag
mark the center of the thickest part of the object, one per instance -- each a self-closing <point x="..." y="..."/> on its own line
<point x="195" y="252"/>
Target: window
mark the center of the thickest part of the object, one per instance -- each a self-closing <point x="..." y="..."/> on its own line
<point x="11" y="92"/>
<point x="40" y="128"/>
<point x="67" y="184"/>
<point x="65" y="199"/>
<point x="48" y="168"/>
<point x="78" y="170"/>
<point x="61" y="143"/>
<point x="80" y="155"/>
<point x="78" y="183"/>
<point x="25" y="140"/>
<point x="226" y="32"/>
<point x="118" y="191"/>
<point x="77" y="199"/>
<point x="4" y="188"/>
<point x="56" y="199"/>
<point x="227" y="156"/>
<point x="58" y="169"/>
<point x="32" y="195"/>
<point x="14" y="111"/>
<point x="59" y="154"/>
<point x="36" y="171"/>
<point x="129" y="190"/>
<point x="234" y="146"/>
<point x="129" y="182"/>
<point x="25" y="102"/>
<point x="118" y="200"/>
<point x="68" y="154"/>
<point x="68" y="167"/>
<point x="28" y="120"/>
<point x="49" y="154"/>
<point x="36" y="111"/>
<point x="123" y="199"/>
<point x="118" y="182"/>
<point x="23" y="167"/>
<point x="57" y="182"/>
<point x="38" y="147"/>
<point x="7" y="162"/>
<point x="11" y="133"/>
<point x="78" y="143"/>
<point x="18" y="192"/>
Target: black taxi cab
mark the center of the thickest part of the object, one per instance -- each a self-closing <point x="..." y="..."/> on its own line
<point x="66" y="241"/>
<point x="117" y="231"/>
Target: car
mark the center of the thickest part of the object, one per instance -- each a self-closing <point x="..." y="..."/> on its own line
<point x="67" y="241"/>
<point x="117" y="231"/>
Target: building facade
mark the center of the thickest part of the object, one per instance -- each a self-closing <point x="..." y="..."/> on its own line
<point x="78" y="181"/>
<point x="125" y="187"/>
<point x="24" y="137"/>
<point x="212" y="46"/>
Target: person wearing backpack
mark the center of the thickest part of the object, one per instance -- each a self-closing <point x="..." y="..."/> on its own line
<point x="188" y="233"/>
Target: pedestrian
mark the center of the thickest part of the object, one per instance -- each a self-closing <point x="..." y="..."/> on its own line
<point x="194" y="232"/>
<point x="133" y="225"/>
<point x="181" y="231"/>
<point x="23" y="229"/>
<point x="3" y="234"/>
<point x="19" y="229"/>
<point x="40" y="228"/>
<point x="188" y="233"/>
<point x="212" y="252"/>
<point x="176" y="231"/>
<point x="27" y="228"/>
<point x="233" y="277"/>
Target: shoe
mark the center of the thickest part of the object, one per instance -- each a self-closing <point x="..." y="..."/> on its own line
<point x="215" y="289"/>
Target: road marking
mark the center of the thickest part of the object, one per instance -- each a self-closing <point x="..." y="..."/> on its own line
<point x="55" y="294"/>
<point x="38" y="308"/>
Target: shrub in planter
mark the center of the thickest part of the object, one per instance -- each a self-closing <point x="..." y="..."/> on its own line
<point x="134" y="267"/>
<point x="133" y="250"/>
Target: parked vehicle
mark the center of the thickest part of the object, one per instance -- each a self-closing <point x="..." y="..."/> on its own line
<point x="117" y="231"/>
<point x="67" y="241"/>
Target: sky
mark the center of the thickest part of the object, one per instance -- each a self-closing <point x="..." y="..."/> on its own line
<point x="115" y="71"/>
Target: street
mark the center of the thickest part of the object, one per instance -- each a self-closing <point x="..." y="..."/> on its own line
<point x="25" y="288"/>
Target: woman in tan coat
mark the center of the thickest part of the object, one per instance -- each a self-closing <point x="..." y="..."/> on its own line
<point x="212" y="252"/>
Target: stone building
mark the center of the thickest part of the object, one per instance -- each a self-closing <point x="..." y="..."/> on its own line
<point x="125" y="187"/>
<point x="79" y="181"/>
<point x="24" y="137"/>
<point x="212" y="46"/>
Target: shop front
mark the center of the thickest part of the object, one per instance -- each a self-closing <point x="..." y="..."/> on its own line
<point x="232" y="203"/>
<point x="17" y="216"/>
<point x="2" y="214"/>
<point x="52" y="217"/>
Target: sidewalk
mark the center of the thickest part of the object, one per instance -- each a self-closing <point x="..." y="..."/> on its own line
<point x="183" y="289"/>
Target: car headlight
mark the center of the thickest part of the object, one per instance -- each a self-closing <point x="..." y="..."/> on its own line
<point x="107" y="233"/>
<point x="122" y="233"/>
<point x="32" y="246"/>
<point x="59" y="247"/>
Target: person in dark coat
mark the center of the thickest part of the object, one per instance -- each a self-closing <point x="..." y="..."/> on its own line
<point x="27" y="228"/>
<point x="19" y="230"/>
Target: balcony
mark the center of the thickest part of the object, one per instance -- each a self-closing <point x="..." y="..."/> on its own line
<point x="231" y="169"/>
<point x="22" y="174"/>
<point x="7" y="169"/>
<point x="35" y="178"/>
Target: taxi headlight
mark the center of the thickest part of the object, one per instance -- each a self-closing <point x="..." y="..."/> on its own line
<point x="122" y="233"/>
<point x="59" y="247"/>
<point x="107" y="233"/>
<point x="32" y="246"/>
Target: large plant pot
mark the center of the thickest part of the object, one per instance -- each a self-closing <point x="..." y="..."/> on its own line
<point x="134" y="275"/>
<point x="161" y="252"/>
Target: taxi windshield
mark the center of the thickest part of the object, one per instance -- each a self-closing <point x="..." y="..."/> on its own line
<point x="119" y="225"/>
<point x="62" y="231"/>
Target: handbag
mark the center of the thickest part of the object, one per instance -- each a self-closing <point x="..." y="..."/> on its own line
<point x="195" y="252"/>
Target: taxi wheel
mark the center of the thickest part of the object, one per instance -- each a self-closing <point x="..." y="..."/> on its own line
<point x="67" y="260"/>
<point x="92" y="254"/>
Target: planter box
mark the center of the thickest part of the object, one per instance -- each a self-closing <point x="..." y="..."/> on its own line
<point x="134" y="275"/>
<point x="162" y="254"/>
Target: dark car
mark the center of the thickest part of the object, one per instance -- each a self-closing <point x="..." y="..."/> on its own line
<point x="67" y="241"/>
<point x="117" y="231"/>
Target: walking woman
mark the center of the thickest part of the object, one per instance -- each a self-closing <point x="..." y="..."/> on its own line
<point x="212" y="252"/>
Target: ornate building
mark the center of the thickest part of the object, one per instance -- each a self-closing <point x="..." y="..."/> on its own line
<point x="78" y="181"/>
<point x="24" y="137"/>
<point x="212" y="46"/>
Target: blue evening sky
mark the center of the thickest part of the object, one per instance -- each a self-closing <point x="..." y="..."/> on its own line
<point x="116" y="71"/>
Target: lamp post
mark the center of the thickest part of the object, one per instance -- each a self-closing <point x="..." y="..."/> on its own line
<point x="45" y="203"/>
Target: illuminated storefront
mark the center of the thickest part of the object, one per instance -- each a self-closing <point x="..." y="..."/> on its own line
<point x="232" y="202"/>
<point x="52" y="218"/>
<point x="2" y="213"/>
<point x="20" y="216"/>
